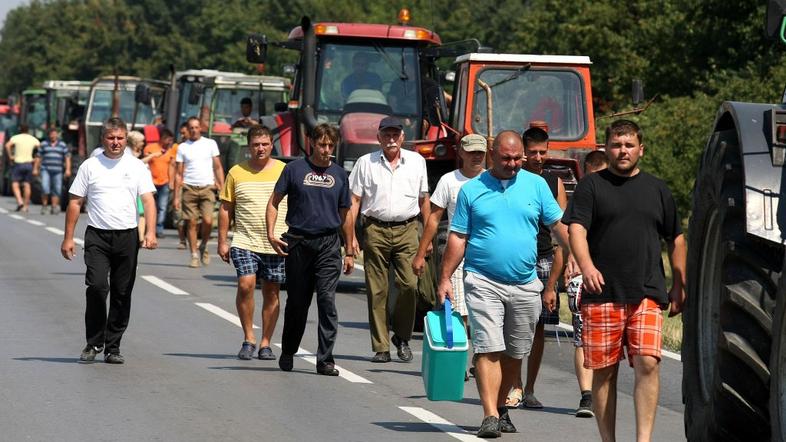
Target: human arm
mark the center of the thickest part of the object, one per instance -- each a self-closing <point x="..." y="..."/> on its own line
<point x="454" y="253"/>
<point x="225" y="214"/>
<point x="593" y="279"/>
<point x="678" y="252"/>
<point x="36" y="165"/>
<point x="354" y="211"/>
<point x="348" y="230"/>
<point x="429" y="231"/>
<point x="149" y="205"/>
<point x="172" y="173"/>
<point x="218" y="172"/>
<point x="8" y="150"/>
<point x="67" y="171"/>
<point x="67" y="248"/>
<point x="178" y="184"/>
<point x="271" y="215"/>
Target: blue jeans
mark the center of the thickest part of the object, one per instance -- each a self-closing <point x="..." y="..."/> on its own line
<point x="51" y="182"/>
<point x="162" y="202"/>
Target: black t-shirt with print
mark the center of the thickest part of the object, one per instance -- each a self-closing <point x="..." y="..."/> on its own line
<point x="625" y="220"/>
<point x="314" y="196"/>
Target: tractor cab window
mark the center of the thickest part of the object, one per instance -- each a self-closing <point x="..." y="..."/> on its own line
<point x="35" y="115"/>
<point x="145" y="114"/>
<point x="371" y="79"/>
<point x="521" y="96"/>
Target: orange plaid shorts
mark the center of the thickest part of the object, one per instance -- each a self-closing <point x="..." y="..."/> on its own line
<point x="611" y="326"/>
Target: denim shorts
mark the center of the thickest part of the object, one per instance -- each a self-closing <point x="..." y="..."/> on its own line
<point x="263" y="265"/>
<point x="51" y="182"/>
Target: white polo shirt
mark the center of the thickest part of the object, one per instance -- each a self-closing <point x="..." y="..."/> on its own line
<point x="197" y="157"/>
<point x="387" y="194"/>
<point x="112" y="187"/>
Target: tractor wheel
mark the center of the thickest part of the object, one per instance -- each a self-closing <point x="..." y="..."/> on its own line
<point x="778" y="366"/>
<point x="732" y="285"/>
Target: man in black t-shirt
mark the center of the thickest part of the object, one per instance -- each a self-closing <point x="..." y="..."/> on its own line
<point x="616" y="221"/>
<point x="318" y="203"/>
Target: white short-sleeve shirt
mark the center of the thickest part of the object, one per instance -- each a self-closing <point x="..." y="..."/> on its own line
<point x="447" y="191"/>
<point x="112" y="187"/>
<point x="387" y="194"/>
<point x="197" y="157"/>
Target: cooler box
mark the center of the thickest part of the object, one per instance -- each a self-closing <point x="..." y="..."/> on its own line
<point x="444" y="361"/>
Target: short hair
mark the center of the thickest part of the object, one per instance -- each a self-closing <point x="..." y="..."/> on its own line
<point x="624" y="127"/>
<point x="164" y="132"/>
<point x="184" y="125"/>
<point x="534" y="135"/>
<point x="595" y="159"/>
<point x="325" y="130"/>
<point x="246" y="100"/>
<point x="258" y="130"/>
<point x="113" y="123"/>
<point x="194" y="118"/>
<point x="135" y="137"/>
<point x="23" y="128"/>
<point x="53" y="129"/>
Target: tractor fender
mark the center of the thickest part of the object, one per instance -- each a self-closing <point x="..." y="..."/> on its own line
<point x="765" y="218"/>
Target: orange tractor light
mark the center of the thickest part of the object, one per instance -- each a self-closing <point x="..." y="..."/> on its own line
<point x="404" y="17"/>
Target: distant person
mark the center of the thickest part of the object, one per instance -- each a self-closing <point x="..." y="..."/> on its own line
<point x="200" y="172"/>
<point x="162" y="167"/>
<point x="53" y="162"/>
<point x="318" y="217"/>
<point x="595" y="161"/>
<point x="246" y="117"/>
<point x="390" y="189"/>
<point x="495" y="229"/>
<point x="136" y="142"/>
<point x="244" y="198"/>
<point x="361" y="77"/>
<point x="177" y="209"/>
<point x="20" y="150"/>
<point x="617" y="220"/>
<point x="111" y="183"/>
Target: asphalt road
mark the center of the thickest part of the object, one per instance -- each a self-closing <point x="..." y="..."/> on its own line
<point x="182" y="380"/>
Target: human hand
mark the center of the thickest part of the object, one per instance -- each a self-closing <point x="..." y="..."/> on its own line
<point x="150" y="242"/>
<point x="67" y="249"/>
<point x="418" y="265"/>
<point x="593" y="280"/>
<point x="445" y="290"/>
<point x="223" y="251"/>
<point x="676" y="300"/>
<point x="349" y="264"/>
<point x="550" y="299"/>
<point x="278" y="245"/>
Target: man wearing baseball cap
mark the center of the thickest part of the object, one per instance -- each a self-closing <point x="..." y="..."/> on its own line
<point x="390" y="189"/>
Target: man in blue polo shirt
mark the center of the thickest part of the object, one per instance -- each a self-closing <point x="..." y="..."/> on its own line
<point x="494" y="228"/>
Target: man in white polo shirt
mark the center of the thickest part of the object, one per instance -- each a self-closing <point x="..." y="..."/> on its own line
<point x="390" y="188"/>
<point x="200" y="173"/>
<point x="111" y="183"/>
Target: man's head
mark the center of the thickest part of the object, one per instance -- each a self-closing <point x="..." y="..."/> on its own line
<point x="53" y="133"/>
<point x="183" y="131"/>
<point x="246" y="106"/>
<point x="194" y="128"/>
<point x="390" y="135"/>
<point x="23" y="128"/>
<point x="595" y="161"/>
<point x="165" y="138"/>
<point x="507" y="154"/>
<point x="624" y="147"/>
<point x="136" y="141"/>
<point x="536" y="147"/>
<point x="324" y="139"/>
<point x="473" y="152"/>
<point x="360" y="62"/>
<point x="114" y="137"/>
<point x="260" y="142"/>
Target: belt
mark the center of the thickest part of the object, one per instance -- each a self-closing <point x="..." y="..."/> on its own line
<point x="389" y="223"/>
<point x="309" y="235"/>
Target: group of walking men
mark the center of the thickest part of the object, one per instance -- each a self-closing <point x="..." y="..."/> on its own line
<point x="499" y="268"/>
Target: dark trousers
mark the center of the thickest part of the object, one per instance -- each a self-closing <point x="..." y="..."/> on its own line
<point x="110" y="256"/>
<point x="312" y="264"/>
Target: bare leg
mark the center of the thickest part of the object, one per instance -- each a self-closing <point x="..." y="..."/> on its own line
<point x="17" y="193"/>
<point x="244" y="301"/>
<point x="181" y="231"/>
<point x="511" y="375"/>
<point x="583" y="375"/>
<point x="604" y="401"/>
<point x="645" y="395"/>
<point x="26" y="194"/>
<point x="488" y="375"/>
<point x="270" y="310"/>
<point x="534" y="359"/>
<point x="207" y="226"/>
<point x="55" y="202"/>
<point x="45" y="200"/>
<point x="192" y="236"/>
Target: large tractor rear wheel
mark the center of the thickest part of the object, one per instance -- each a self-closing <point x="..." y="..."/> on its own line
<point x="732" y="284"/>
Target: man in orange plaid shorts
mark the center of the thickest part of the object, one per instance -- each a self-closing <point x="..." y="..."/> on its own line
<point x="617" y="219"/>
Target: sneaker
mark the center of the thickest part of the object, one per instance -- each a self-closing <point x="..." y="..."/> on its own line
<point x="114" y="358"/>
<point x="381" y="357"/>
<point x="181" y="245"/>
<point x="403" y="351"/>
<point x="194" y="261"/>
<point x="44" y="209"/>
<point x="530" y="401"/>
<point x="286" y="362"/>
<point x="19" y="208"/>
<point x="89" y="353"/>
<point x="489" y="429"/>
<point x="505" y="425"/>
<point x="55" y="210"/>
<point x="205" y="257"/>
<point x="266" y="354"/>
<point x="585" y="406"/>
<point x="247" y="350"/>
<point x="327" y="370"/>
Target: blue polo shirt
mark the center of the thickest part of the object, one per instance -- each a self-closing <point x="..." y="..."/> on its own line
<point x="501" y="224"/>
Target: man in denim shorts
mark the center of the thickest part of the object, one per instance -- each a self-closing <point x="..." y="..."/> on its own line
<point x="495" y="223"/>
<point x="617" y="219"/>
<point x="247" y="189"/>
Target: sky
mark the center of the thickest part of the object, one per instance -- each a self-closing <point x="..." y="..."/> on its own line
<point x="7" y="5"/>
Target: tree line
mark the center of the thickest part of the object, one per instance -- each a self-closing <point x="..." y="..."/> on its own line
<point x="692" y="54"/>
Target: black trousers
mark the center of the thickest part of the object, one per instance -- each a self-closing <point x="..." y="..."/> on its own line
<point x="313" y="264"/>
<point x="110" y="256"/>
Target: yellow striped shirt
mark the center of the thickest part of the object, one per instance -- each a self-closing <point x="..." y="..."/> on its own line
<point x="250" y="191"/>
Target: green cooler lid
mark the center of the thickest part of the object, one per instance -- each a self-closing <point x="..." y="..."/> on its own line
<point x="434" y="331"/>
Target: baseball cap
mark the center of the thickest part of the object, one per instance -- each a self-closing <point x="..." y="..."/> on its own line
<point x="474" y="143"/>
<point x="390" y="122"/>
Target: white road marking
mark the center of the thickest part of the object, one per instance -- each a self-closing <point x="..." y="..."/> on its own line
<point x="55" y="230"/>
<point x="160" y="283"/>
<point x="79" y="241"/>
<point x="221" y="313"/>
<point x="14" y="216"/>
<point x="360" y="267"/>
<point x="3" y="210"/>
<point x="35" y="222"/>
<point x="668" y="354"/>
<point x="311" y="358"/>
<point x="439" y="423"/>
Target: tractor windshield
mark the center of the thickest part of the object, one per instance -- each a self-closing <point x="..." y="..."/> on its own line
<point x="101" y="107"/>
<point x="369" y="78"/>
<point x="35" y="114"/>
<point x="521" y="96"/>
<point x="227" y="106"/>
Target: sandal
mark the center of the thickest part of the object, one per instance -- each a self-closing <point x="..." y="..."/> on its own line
<point x="530" y="401"/>
<point x="514" y="399"/>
